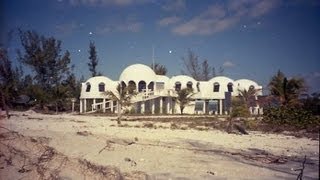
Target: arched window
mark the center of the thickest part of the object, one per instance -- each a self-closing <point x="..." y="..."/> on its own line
<point x="88" y="87"/>
<point x="131" y="86"/>
<point x="230" y="87"/>
<point x="123" y="85"/>
<point x="189" y="85"/>
<point x="216" y="87"/>
<point x="177" y="86"/>
<point x="101" y="87"/>
<point x="151" y="86"/>
<point x="141" y="86"/>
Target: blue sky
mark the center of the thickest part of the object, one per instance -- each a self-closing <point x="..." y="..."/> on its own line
<point x="248" y="38"/>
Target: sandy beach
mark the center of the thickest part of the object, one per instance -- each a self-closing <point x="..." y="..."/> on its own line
<point x="69" y="146"/>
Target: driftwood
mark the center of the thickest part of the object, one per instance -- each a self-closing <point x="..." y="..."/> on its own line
<point x="35" y="118"/>
<point x="240" y="129"/>
<point x="300" y="175"/>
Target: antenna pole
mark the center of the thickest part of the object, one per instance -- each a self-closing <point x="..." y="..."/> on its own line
<point x="153" y="57"/>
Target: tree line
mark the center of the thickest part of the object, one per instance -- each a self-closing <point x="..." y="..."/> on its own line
<point x="53" y="82"/>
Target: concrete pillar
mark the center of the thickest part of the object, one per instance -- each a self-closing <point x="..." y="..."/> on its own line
<point x="152" y="106"/>
<point x="85" y="105"/>
<point x="111" y="106"/>
<point x="220" y="106"/>
<point x="204" y="107"/>
<point x="81" y="106"/>
<point x="168" y="105"/>
<point x="143" y="104"/>
<point x="94" y="104"/>
<point x="161" y="105"/>
<point x="104" y="105"/>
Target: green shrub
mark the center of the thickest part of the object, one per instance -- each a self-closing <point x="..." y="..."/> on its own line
<point x="294" y="116"/>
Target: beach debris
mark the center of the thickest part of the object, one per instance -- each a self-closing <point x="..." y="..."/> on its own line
<point x="240" y="129"/>
<point x="133" y="163"/>
<point x="210" y="172"/>
<point x="35" y="118"/>
<point x="107" y="146"/>
<point x="300" y="175"/>
<point x="84" y="133"/>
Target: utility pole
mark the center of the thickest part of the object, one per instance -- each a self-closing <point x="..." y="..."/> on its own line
<point x="153" y="57"/>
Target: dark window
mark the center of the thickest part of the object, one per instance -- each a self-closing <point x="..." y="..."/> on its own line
<point x="216" y="87"/>
<point x="151" y="85"/>
<point x="230" y="87"/>
<point x="141" y="86"/>
<point x="178" y="86"/>
<point x="123" y="85"/>
<point x="251" y="87"/>
<point x="131" y="86"/>
<point x="189" y="85"/>
<point x="101" y="87"/>
<point x="88" y="87"/>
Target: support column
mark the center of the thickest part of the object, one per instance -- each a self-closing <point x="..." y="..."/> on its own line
<point x="204" y="107"/>
<point x="168" y="105"/>
<point x="94" y="104"/>
<point x="220" y="106"/>
<point x="161" y="105"/>
<point x="85" y="105"/>
<point x="111" y="106"/>
<point x="81" y="107"/>
<point x="152" y="106"/>
<point x="104" y="105"/>
<point x="143" y="104"/>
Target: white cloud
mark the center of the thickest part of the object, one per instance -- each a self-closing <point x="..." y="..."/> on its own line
<point x="67" y="28"/>
<point x="220" y="17"/>
<point x="227" y="64"/>
<point x="126" y="26"/>
<point x="168" y="21"/>
<point x="174" y="5"/>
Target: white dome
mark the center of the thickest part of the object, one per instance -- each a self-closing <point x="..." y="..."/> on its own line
<point x="221" y="80"/>
<point x="137" y="73"/>
<point x="94" y="82"/>
<point x="245" y="84"/>
<point x="242" y="84"/>
<point x="183" y="79"/>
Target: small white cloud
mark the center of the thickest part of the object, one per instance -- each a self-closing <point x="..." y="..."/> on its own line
<point x="67" y="28"/>
<point x="174" y="5"/>
<point x="120" y="27"/>
<point x="227" y="64"/>
<point x="168" y="21"/>
<point x="220" y="17"/>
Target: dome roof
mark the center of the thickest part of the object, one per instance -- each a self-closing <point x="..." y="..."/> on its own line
<point x="94" y="91"/>
<point x="221" y="80"/>
<point x="137" y="72"/>
<point x="162" y="78"/>
<point x="182" y="78"/>
<point x="245" y="83"/>
<point x="99" y="79"/>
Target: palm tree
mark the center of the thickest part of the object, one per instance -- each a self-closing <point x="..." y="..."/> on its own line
<point x="159" y="69"/>
<point x="184" y="97"/>
<point x="123" y="96"/>
<point x="246" y="95"/>
<point x="286" y="90"/>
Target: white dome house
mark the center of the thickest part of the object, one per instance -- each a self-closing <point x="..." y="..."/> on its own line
<point x="156" y="94"/>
